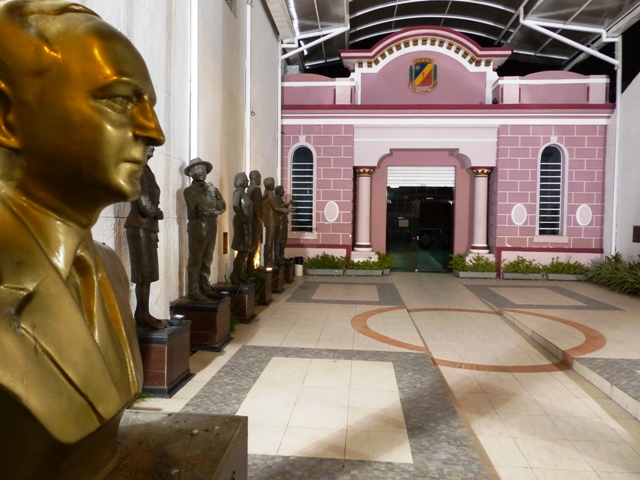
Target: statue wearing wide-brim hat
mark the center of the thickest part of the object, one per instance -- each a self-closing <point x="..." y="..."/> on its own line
<point x="198" y="161"/>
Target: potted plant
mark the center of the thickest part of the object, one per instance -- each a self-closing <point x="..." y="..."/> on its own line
<point x="522" y="269"/>
<point x="476" y="267"/>
<point x="567" y="270"/>
<point x="325" y="264"/>
<point x="366" y="267"/>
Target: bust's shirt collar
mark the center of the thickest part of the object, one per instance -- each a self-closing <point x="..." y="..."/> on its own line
<point x="58" y="238"/>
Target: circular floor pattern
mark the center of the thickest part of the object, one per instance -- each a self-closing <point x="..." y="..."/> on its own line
<point x="594" y="340"/>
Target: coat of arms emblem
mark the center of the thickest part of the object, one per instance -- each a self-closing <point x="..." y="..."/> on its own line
<point x="423" y="75"/>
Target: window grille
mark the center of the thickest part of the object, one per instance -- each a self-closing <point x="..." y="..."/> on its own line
<point x="550" y="196"/>
<point x="302" y="175"/>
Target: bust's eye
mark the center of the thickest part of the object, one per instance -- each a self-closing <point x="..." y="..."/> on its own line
<point x="119" y="103"/>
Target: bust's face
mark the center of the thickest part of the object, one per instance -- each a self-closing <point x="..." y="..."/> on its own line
<point x="199" y="172"/>
<point x="93" y="119"/>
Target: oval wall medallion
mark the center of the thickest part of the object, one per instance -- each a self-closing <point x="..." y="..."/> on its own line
<point x="331" y="211"/>
<point x="519" y="214"/>
<point x="584" y="215"/>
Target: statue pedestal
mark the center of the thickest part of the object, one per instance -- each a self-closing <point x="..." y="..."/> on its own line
<point x="277" y="285"/>
<point x="289" y="271"/>
<point x="264" y="286"/>
<point x="165" y="359"/>
<point x="181" y="445"/>
<point x="243" y="299"/>
<point x="210" y="322"/>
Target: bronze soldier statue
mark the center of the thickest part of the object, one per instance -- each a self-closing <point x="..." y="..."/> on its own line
<point x="241" y="243"/>
<point x="271" y="220"/>
<point x="253" y="259"/>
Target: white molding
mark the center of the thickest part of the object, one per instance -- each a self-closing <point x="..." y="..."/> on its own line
<point x="448" y="120"/>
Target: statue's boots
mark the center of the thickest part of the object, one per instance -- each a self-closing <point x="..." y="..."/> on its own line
<point x="198" y="297"/>
<point x="146" y="320"/>
<point x="209" y="292"/>
<point x="235" y="279"/>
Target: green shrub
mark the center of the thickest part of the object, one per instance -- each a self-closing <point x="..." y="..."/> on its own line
<point x="616" y="274"/>
<point x="324" y="260"/>
<point x="568" y="267"/>
<point x="476" y="264"/>
<point x="362" y="265"/>
<point x="385" y="260"/>
<point x="522" y="265"/>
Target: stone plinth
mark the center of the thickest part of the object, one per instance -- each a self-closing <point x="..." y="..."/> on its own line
<point x="181" y="445"/>
<point x="277" y="283"/>
<point x="264" y="287"/>
<point x="210" y="322"/>
<point x="243" y="299"/>
<point x="289" y="272"/>
<point x="165" y="359"/>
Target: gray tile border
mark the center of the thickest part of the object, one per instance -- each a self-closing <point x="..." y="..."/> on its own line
<point x="387" y="293"/>
<point x="440" y="445"/>
<point x="620" y="372"/>
<point x="490" y="294"/>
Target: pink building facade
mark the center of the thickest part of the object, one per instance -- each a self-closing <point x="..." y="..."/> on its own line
<point x="523" y="157"/>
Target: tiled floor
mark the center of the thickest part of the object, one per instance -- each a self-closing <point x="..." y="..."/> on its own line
<point x="429" y="376"/>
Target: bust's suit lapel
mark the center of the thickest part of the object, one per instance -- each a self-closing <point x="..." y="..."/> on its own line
<point x="55" y="339"/>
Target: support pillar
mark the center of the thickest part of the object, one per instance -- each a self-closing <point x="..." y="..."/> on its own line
<point x="363" y="210"/>
<point x="480" y="210"/>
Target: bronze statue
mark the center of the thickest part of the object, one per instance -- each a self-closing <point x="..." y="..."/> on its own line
<point x="282" y="233"/>
<point x="242" y="208"/>
<point x="272" y="212"/>
<point x="253" y="259"/>
<point x="76" y="114"/>
<point x="142" y="237"/>
<point x="204" y="204"/>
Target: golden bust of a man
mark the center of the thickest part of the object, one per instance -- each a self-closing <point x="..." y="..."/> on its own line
<point x="76" y="118"/>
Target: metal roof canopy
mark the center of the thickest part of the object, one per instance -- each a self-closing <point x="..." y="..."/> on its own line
<point x="558" y="33"/>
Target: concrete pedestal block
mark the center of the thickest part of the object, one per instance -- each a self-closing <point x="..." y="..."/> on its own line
<point x="277" y="283"/>
<point x="243" y="299"/>
<point x="181" y="445"/>
<point x="210" y="322"/>
<point x="264" y="287"/>
<point x="165" y="359"/>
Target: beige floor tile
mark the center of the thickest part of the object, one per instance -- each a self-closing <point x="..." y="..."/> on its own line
<point x="566" y="407"/>
<point x="387" y="446"/>
<point x="486" y="424"/>
<point x="260" y="413"/>
<point x="610" y="457"/>
<point x="628" y="429"/>
<point x="334" y="397"/>
<point x="319" y="416"/>
<point x="515" y="404"/>
<point x="532" y="426"/>
<point x="331" y="366"/>
<point x="372" y="367"/>
<point x="372" y="381"/>
<point x="544" y="474"/>
<point x="190" y="389"/>
<point x="268" y="394"/>
<point x="371" y="398"/>
<point x="461" y="380"/>
<point x="265" y="439"/>
<point x="327" y="379"/>
<point x="375" y="419"/>
<point x="513" y="473"/>
<point x="499" y="383"/>
<point x="313" y="442"/>
<point x="502" y="451"/>
<point x="552" y="454"/>
<point x="605" y="408"/>
<point x="619" y="476"/>
<point x="474" y="402"/>
<point x="586" y="429"/>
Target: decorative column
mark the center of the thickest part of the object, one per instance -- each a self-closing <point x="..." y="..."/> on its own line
<point x="480" y="210"/>
<point x="363" y="210"/>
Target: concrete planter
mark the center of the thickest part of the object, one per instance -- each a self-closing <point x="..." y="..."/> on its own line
<point x="522" y="276"/>
<point x="567" y="277"/>
<point x="330" y="272"/>
<point x="386" y="271"/>
<point x="460" y="274"/>
<point x="363" y="273"/>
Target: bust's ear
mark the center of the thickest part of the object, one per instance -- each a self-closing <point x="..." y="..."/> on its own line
<point x="8" y="138"/>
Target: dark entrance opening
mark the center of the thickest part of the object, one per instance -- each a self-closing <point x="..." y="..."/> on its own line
<point x="420" y="228"/>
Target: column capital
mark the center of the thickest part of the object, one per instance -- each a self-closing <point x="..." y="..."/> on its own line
<point x="481" y="171"/>
<point x="365" y="171"/>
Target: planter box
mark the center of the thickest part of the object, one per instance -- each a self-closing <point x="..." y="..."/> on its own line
<point x="522" y="276"/>
<point x="386" y="271"/>
<point x="334" y="272"/>
<point x="363" y="273"/>
<point x="475" y="274"/>
<point x="567" y="277"/>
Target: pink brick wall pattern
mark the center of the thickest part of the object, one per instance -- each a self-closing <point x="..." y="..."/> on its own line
<point x="515" y="181"/>
<point x="334" y="178"/>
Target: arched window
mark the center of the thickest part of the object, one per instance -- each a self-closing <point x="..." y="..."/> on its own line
<point x="550" y="200"/>
<point x="302" y="174"/>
